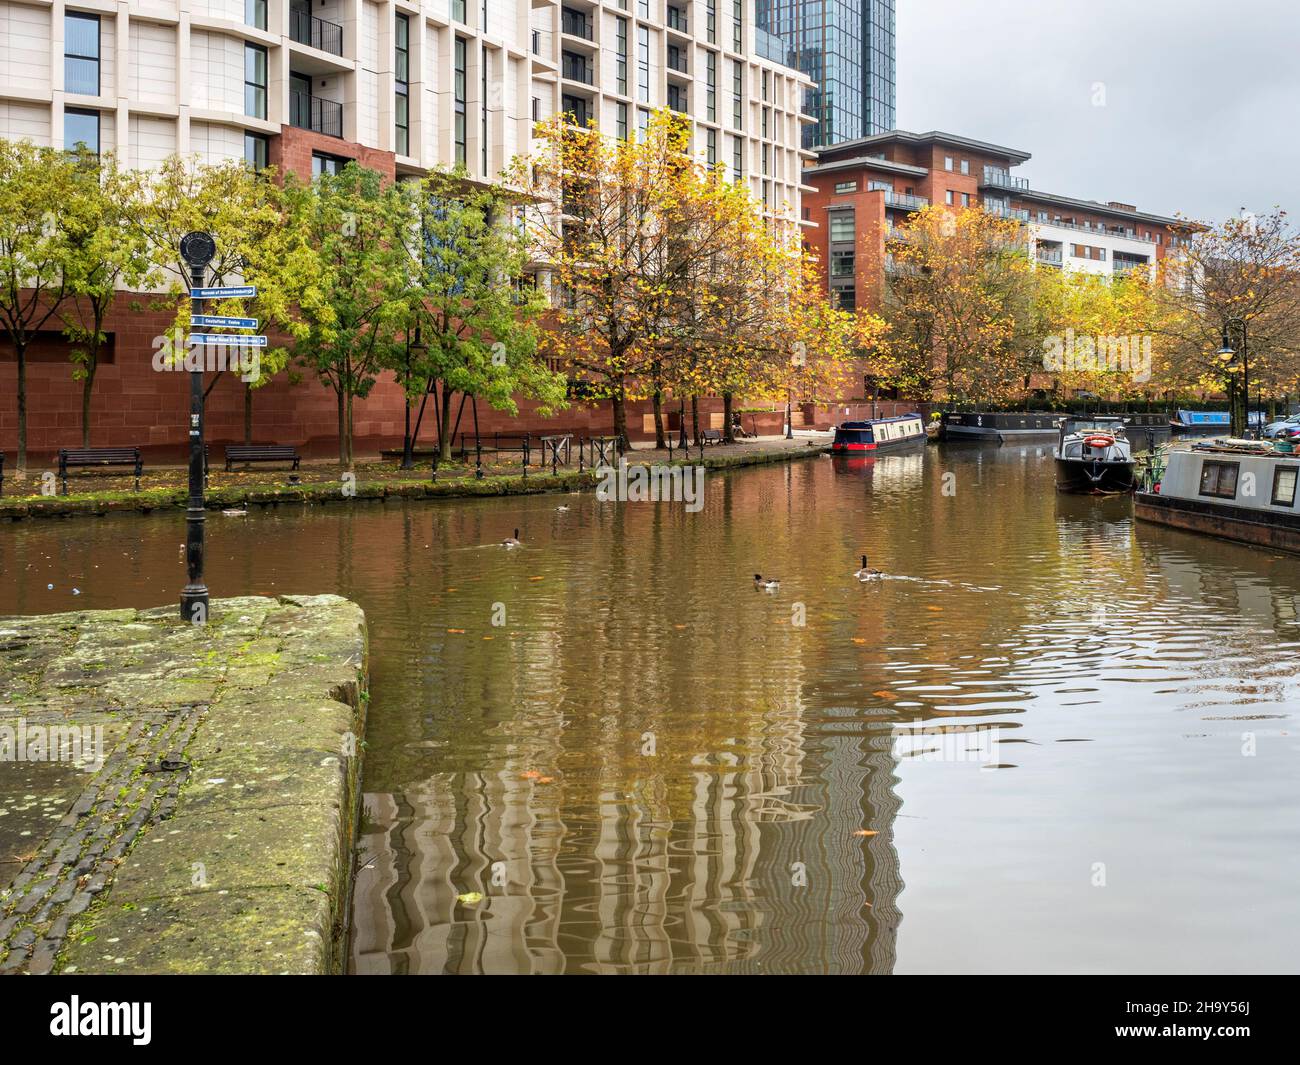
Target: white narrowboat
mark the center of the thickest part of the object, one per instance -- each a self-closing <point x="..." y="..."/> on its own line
<point x="1243" y="490"/>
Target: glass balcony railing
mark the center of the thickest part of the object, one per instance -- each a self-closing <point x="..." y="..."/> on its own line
<point x="906" y="201"/>
<point x="997" y="210"/>
<point x="1051" y="258"/>
<point x="306" y="28"/>
<point x="1096" y="231"/>
<point x="313" y="113"/>
<point x="1002" y="179"/>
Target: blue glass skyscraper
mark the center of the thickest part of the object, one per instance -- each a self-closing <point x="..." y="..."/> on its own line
<point x="847" y="48"/>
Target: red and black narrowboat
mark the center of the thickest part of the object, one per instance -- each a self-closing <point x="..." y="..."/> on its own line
<point x="881" y="434"/>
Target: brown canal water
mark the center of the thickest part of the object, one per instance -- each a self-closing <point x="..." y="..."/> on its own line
<point x="1050" y="740"/>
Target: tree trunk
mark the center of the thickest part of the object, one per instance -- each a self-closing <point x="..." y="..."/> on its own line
<point x="660" y="441"/>
<point x="248" y="413"/>
<point x="343" y="454"/>
<point x="619" y="405"/>
<point x="444" y="436"/>
<point x="349" y="431"/>
<point x="21" y="349"/>
<point x="727" y="434"/>
<point x="87" y="386"/>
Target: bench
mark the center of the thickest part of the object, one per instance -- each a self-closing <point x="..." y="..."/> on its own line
<point x="84" y="457"/>
<point x="246" y="453"/>
<point x="711" y="436"/>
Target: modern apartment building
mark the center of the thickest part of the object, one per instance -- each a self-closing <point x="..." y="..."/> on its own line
<point x="402" y="85"/>
<point x="847" y="48"/>
<point x="399" y="85"/>
<point x="866" y="187"/>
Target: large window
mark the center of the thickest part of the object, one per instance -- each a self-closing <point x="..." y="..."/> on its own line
<point x="81" y="130"/>
<point x="255" y="14"/>
<point x="401" y="83"/>
<point x="620" y="33"/>
<point x="841" y="226"/>
<point x="841" y="264"/>
<point x="711" y="86"/>
<point x="458" y="10"/>
<point x="254" y="81"/>
<point x="1219" y="479"/>
<point x="1284" y="483"/>
<point x="643" y="64"/>
<point x="621" y="120"/>
<point x="458" y="91"/>
<point x="257" y="150"/>
<point x="322" y="163"/>
<point x="81" y="54"/>
<point x="737" y="85"/>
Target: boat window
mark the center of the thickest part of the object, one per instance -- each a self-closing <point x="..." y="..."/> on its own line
<point x="1219" y="479"/>
<point x="1284" y="482"/>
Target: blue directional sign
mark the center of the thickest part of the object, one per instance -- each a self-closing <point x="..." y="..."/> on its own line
<point x="228" y="340"/>
<point x="232" y="292"/>
<point x="221" y="321"/>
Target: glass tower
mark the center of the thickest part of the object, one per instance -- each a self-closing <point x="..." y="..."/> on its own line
<point x="847" y="48"/>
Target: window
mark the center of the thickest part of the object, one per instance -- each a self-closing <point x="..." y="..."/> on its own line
<point x="81" y="129"/>
<point x="1101" y="254"/>
<point x="643" y="64"/>
<point x="841" y="264"/>
<point x="483" y="131"/>
<point x="458" y="93"/>
<point x="1284" y="482"/>
<point x="737" y="159"/>
<point x="458" y="10"/>
<point x="326" y="164"/>
<point x="737" y="87"/>
<point x="401" y="83"/>
<point x="948" y="198"/>
<point x="965" y="166"/>
<point x="1219" y="479"/>
<point x="847" y="298"/>
<point x="622" y="122"/>
<point x="254" y="81"/>
<point x="642" y="124"/>
<point x="711" y="146"/>
<point x="620" y="33"/>
<point x="81" y="54"/>
<point x="841" y="225"/>
<point x="711" y="20"/>
<point x="256" y="150"/>
<point x="711" y="86"/>
<point x="255" y="14"/>
<point x="643" y="9"/>
<point x="737" y="26"/>
<point x="947" y="162"/>
<point x="965" y="199"/>
<point x="846" y="186"/>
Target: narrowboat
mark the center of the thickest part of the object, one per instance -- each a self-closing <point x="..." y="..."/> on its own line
<point x="999" y="426"/>
<point x="1200" y="421"/>
<point x="1094" y="456"/>
<point x="881" y="434"/>
<point x="1242" y="490"/>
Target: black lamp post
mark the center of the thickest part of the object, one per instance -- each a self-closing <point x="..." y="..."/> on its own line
<point x="1226" y="354"/>
<point x="197" y="249"/>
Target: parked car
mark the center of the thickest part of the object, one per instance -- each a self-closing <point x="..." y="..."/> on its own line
<point x="1275" y="429"/>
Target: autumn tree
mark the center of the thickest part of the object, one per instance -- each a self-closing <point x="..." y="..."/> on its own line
<point x="103" y="255"/>
<point x="1246" y="268"/>
<point x="36" y="184"/>
<point x="473" y="306"/>
<point x="959" y="303"/>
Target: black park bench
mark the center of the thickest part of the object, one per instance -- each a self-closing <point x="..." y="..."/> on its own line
<point x="87" y="457"/>
<point x="246" y="453"/>
<point x="711" y="436"/>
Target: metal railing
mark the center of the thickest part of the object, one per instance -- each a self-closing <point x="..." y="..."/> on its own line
<point x="305" y="28"/>
<point x="1094" y="230"/>
<point x="676" y="60"/>
<point x="905" y="201"/>
<point x="677" y="21"/>
<point x="575" y="24"/>
<point x="316" y="114"/>
<point x="575" y="68"/>
<point x="1003" y="179"/>
<point x="1052" y="258"/>
<point x="1019" y="214"/>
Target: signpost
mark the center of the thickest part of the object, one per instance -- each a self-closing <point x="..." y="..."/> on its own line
<point x="197" y="249"/>
<point x="230" y="292"/>
<point x="221" y="321"/>
<point x="227" y="340"/>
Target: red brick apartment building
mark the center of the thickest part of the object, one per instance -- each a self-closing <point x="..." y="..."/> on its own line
<point x="866" y="187"/>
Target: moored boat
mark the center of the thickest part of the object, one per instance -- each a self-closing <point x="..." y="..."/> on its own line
<point x="997" y="426"/>
<point x="878" y="434"/>
<point x="1200" y="421"/>
<point x="1241" y="490"/>
<point x="1093" y="455"/>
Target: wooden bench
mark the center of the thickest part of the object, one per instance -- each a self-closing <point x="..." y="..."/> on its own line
<point x="246" y="453"/>
<point x="85" y="457"/>
<point x="711" y="436"/>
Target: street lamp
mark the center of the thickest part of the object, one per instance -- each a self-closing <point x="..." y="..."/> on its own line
<point x="1227" y="354"/>
<point x="197" y="249"/>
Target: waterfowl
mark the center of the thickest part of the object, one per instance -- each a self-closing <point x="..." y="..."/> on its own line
<point x="867" y="574"/>
<point x="562" y="509"/>
<point x="512" y="541"/>
<point x="767" y="584"/>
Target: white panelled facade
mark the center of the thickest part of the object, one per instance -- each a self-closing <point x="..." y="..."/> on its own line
<point x="223" y="78"/>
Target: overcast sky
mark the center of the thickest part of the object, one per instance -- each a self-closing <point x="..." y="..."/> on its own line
<point x="1188" y="106"/>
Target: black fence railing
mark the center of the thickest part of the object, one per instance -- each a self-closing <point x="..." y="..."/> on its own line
<point x="306" y="28"/>
<point x="316" y="114"/>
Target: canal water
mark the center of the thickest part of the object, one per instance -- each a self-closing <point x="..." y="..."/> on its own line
<point x="1051" y="739"/>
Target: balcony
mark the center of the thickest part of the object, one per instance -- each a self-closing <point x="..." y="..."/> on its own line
<point x="1128" y="266"/>
<point x="1003" y="180"/>
<point x="1050" y="257"/>
<point x="579" y="108"/>
<point x="575" y="24"/>
<point x="305" y="28"/>
<point x="313" y="113"/>
<point x="905" y="201"/>
<point x="1096" y="231"/>
<point x="677" y="99"/>
<point x="676" y="59"/>
<point x="998" y="210"/>
<point x="576" y="68"/>
<point x="677" y="20"/>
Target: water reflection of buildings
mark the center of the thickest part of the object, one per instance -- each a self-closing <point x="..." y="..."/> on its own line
<point x="620" y="886"/>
